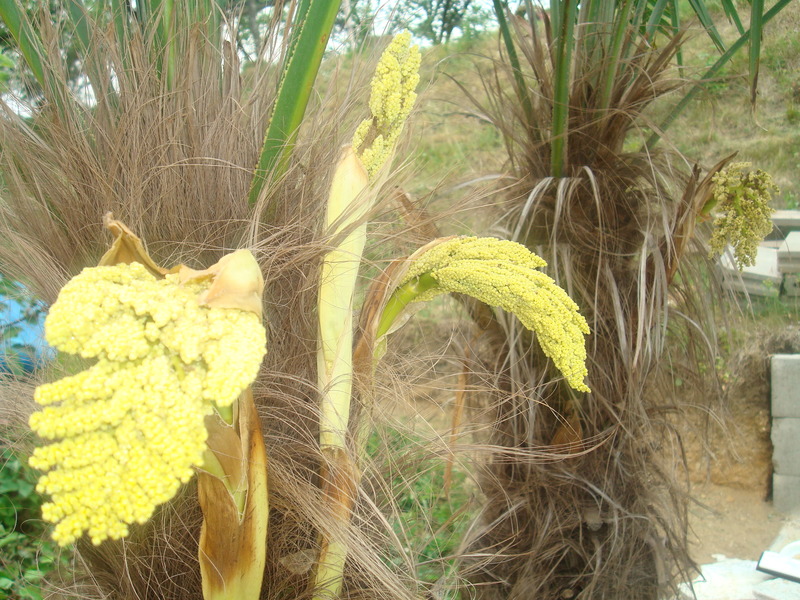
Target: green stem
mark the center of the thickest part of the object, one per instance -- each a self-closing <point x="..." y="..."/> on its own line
<point x="402" y="297"/>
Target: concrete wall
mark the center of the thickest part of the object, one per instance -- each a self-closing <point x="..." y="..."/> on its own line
<point x="786" y="433"/>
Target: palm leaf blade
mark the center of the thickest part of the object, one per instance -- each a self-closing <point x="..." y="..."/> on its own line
<point x="294" y="90"/>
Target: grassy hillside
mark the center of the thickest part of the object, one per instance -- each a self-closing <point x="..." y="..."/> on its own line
<point x="720" y="120"/>
<point x="453" y="145"/>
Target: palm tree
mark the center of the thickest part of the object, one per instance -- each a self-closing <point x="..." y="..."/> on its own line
<point x="590" y="505"/>
<point x="173" y="140"/>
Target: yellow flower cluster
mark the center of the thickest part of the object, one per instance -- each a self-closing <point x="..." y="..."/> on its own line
<point x="391" y="100"/>
<point x="742" y="199"/>
<point x="130" y="428"/>
<point x="504" y="274"/>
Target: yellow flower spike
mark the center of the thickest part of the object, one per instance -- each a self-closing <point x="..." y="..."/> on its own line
<point x="503" y="274"/>
<point x="741" y="199"/>
<point x="391" y="100"/>
<point x="129" y="430"/>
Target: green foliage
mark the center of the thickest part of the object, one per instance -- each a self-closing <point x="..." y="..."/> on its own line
<point x="437" y="20"/>
<point x="758" y="21"/>
<point x="27" y="554"/>
<point x="309" y="38"/>
<point x="430" y="523"/>
<point x="718" y="122"/>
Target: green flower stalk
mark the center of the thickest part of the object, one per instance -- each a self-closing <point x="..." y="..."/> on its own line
<point x="741" y="199"/>
<point x="129" y="430"/>
<point x="502" y="274"/>
<point x="349" y="203"/>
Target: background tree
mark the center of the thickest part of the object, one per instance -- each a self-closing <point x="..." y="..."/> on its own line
<point x="437" y="20"/>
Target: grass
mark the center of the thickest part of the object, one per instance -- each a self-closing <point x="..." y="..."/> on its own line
<point x="430" y="522"/>
<point x="720" y="120"/>
<point x="452" y="143"/>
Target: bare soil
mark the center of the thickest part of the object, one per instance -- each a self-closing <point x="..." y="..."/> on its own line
<point x="730" y="521"/>
<point x="729" y="455"/>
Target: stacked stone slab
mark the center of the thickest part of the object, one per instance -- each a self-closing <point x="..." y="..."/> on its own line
<point x="784" y="222"/>
<point x="762" y="279"/>
<point x="789" y="263"/>
<point x="777" y="268"/>
<point x="786" y="433"/>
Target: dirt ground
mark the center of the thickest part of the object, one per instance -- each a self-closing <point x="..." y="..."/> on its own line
<point x="735" y="522"/>
<point x="731" y="466"/>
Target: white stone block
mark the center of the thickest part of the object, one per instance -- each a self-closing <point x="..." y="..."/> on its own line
<point x="785" y="385"/>
<point x="728" y="579"/>
<point x="762" y="279"/>
<point x="786" y="221"/>
<point x="789" y="254"/>
<point x="786" y="494"/>
<point x="786" y="446"/>
<point x="777" y="589"/>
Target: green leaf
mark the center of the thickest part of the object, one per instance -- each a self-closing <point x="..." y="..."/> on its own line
<point x="519" y="81"/>
<point x="756" y="25"/>
<point x="7" y="485"/>
<point x="311" y="30"/>
<point x="79" y="22"/>
<point x="701" y="10"/>
<point x="620" y="32"/>
<point x="25" y="489"/>
<point x="6" y="583"/>
<point x="30" y="46"/>
<point x="32" y="575"/>
<point x="10" y="331"/>
<point x="30" y="592"/>
<point x="12" y="538"/>
<point x="675" y="20"/>
<point x="563" y="27"/>
<point x="655" y="18"/>
<point x="730" y="11"/>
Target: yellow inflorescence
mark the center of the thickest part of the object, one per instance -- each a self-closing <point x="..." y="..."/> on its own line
<point x="741" y="199"/>
<point x="504" y="274"/>
<point x="130" y="428"/>
<point x="391" y="100"/>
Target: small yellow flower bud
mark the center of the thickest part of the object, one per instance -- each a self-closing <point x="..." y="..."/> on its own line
<point x="391" y="100"/>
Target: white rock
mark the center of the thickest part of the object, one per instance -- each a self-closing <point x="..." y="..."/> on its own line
<point x="777" y="589"/>
<point x="729" y="579"/>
